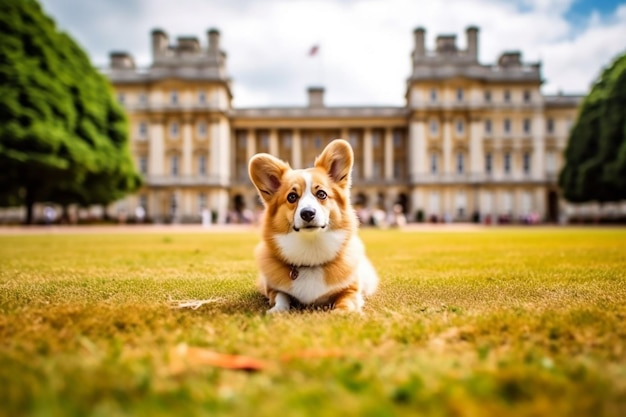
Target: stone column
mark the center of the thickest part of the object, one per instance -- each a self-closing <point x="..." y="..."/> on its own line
<point x="156" y="151"/>
<point x="368" y="154"/>
<point x="476" y="156"/>
<point x="388" y="154"/>
<point x="447" y="146"/>
<point x="344" y="134"/>
<point x="273" y="138"/>
<point x="418" y="160"/>
<point x="296" y="149"/>
<point x="540" y="202"/>
<point x="224" y="149"/>
<point x="250" y="144"/>
<point x="538" y="167"/>
<point x="187" y="149"/>
<point x="214" y="149"/>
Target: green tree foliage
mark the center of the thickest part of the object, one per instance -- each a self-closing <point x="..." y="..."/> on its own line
<point x="595" y="166"/>
<point x="63" y="138"/>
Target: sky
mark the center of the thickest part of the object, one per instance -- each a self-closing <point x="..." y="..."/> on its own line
<point x="364" y="45"/>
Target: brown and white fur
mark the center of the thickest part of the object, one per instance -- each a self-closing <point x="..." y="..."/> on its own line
<point x="310" y="250"/>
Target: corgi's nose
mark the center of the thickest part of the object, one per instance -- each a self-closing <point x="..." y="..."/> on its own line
<point x="307" y="214"/>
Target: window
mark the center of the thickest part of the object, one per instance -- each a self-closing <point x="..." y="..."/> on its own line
<point x="354" y="139"/>
<point x="460" y="163"/>
<point x="143" y="201"/>
<point x="507" y="96"/>
<point x="242" y="140"/>
<point x="174" y="129"/>
<point x="550" y="162"/>
<point x="526" y="163"/>
<point x="526" y="96"/>
<point x="527" y="126"/>
<point x="376" y="139"/>
<point x="173" y="98"/>
<point x="201" y="202"/>
<point x="434" y="159"/>
<point x="143" y="99"/>
<point x="243" y="172"/>
<point x="397" y="169"/>
<point x="460" y="126"/>
<point x="550" y="125"/>
<point x="376" y="170"/>
<point x="174" y="165"/>
<point x="527" y="202"/>
<point x="488" y="96"/>
<point x="434" y="202"/>
<point x="201" y="97"/>
<point x="488" y="127"/>
<point x="287" y="140"/>
<point x="459" y="94"/>
<point x="487" y="203"/>
<point x="434" y="127"/>
<point x="397" y="139"/>
<point x="507" y="163"/>
<point x="143" y="165"/>
<point x="121" y="98"/>
<point x="202" y="130"/>
<point x="143" y="130"/>
<point x="433" y="96"/>
<point x="507" y="200"/>
<point x="507" y="126"/>
<point x="461" y="203"/>
<point x="201" y="165"/>
<point x="488" y="163"/>
<point x="265" y="141"/>
<point x="317" y="142"/>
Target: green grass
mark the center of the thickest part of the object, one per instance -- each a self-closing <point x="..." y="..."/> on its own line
<point x="497" y="322"/>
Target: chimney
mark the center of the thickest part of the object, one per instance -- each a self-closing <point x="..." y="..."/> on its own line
<point x="159" y="42"/>
<point x="214" y="40"/>
<point x="446" y="44"/>
<point x="188" y="44"/>
<point x="510" y="59"/>
<point x="420" y="49"/>
<point x="121" y="60"/>
<point x="316" y="97"/>
<point x="472" y="42"/>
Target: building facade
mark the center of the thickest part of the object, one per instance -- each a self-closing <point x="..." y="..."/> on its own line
<point x="473" y="142"/>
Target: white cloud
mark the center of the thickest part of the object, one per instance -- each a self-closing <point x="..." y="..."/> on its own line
<point x="364" y="44"/>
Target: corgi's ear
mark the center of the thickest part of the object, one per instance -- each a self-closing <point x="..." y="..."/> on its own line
<point x="266" y="173"/>
<point x="337" y="159"/>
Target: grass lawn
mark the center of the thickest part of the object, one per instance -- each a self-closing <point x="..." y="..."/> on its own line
<point x="495" y="322"/>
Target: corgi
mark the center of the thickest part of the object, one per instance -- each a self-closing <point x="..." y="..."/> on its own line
<point x="310" y="251"/>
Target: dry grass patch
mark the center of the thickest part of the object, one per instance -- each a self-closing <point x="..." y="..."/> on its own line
<point x="495" y="322"/>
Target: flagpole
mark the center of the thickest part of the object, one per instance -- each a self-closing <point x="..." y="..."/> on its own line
<point x="318" y="73"/>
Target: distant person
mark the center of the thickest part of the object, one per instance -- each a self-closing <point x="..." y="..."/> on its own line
<point x="206" y="217"/>
<point x="49" y="214"/>
<point x="398" y="219"/>
<point x="140" y="214"/>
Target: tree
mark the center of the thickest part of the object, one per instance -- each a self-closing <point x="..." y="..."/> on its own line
<point x="63" y="137"/>
<point x="595" y="157"/>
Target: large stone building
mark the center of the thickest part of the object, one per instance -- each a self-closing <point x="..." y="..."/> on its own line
<point x="474" y="141"/>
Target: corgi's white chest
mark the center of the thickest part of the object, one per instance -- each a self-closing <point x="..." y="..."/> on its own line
<point x="310" y="248"/>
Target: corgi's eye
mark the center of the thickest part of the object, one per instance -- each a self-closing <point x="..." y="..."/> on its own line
<point x="321" y="194"/>
<point x="292" y="197"/>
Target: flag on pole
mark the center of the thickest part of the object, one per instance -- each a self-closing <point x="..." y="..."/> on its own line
<point x="314" y="50"/>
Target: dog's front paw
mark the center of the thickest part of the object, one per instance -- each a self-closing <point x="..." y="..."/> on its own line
<point x="347" y="308"/>
<point x="350" y="303"/>
<point x="278" y="309"/>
